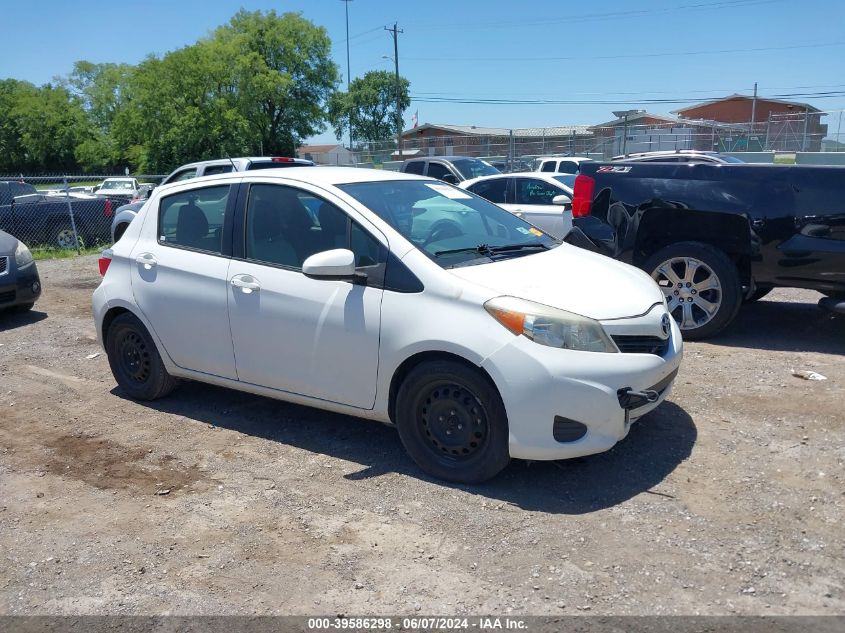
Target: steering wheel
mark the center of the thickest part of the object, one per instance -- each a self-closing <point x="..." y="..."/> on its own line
<point x="442" y="232"/>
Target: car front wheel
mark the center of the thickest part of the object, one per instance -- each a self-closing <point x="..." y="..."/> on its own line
<point x="135" y="361"/>
<point x="701" y="285"/>
<point x="452" y="422"/>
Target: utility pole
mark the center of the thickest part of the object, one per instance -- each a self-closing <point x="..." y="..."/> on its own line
<point x="753" y="110"/>
<point x="348" y="72"/>
<point x="396" y="31"/>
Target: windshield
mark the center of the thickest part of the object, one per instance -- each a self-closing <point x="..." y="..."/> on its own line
<point x="117" y="184"/>
<point x="450" y="225"/>
<point x="566" y="179"/>
<point x="474" y="167"/>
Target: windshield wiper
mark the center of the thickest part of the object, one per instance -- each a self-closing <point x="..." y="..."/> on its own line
<point x="481" y="249"/>
<point x="516" y="247"/>
<point x="486" y="249"/>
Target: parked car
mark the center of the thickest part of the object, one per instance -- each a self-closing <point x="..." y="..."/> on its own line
<point x="127" y="212"/>
<point x="560" y="164"/>
<point x="451" y="169"/>
<point x="20" y="285"/>
<point x="679" y="156"/>
<point x="544" y="200"/>
<point x="715" y="235"/>
<point x="45" y="219"/>
<point x="479" y="346"/>
<point x="118" y="186"/>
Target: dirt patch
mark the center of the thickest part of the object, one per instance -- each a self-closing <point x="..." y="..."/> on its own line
<point x="110" y="466"/>
<point x="727" y="499"/>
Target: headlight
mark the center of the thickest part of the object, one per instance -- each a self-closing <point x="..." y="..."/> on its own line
<point x="550" y="326"/>
<point x="22" y="255"/>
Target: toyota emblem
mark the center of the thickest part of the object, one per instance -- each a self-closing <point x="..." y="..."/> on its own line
<point x="665" y="325"/>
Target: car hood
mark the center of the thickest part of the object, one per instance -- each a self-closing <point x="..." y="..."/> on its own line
<point x="572" y="279"/>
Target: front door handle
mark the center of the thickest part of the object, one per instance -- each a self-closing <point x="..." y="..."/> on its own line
<point x="147" y="260"/>
<point x="247" y="283"/>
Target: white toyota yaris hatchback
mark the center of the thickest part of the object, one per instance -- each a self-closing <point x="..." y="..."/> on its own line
<point x="392" y="297"/>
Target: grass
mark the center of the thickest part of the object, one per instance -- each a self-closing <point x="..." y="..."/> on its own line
<point x="51" y="252"/>
<point x="784" y="159"/>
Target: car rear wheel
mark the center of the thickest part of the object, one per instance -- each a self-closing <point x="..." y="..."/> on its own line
<point x="135" y="361"/>
<point x="701" y="285"/>
<point x="452" y="422"/>
<point x="64" y="238"/>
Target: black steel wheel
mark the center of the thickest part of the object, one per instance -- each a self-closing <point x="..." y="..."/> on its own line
<point x="135" y="361"/>
<point x="452" y="422"/>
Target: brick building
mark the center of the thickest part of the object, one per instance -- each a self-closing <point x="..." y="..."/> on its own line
<point x="473" y="140"/>
<point x="786" y="125"/>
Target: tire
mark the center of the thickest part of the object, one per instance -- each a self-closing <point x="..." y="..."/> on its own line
<point x="758" y="294"/>
<point x="119" y="231"/>
<point x="452" y="422"/>
<point x="135" y="361"/>
<point x="709" y="285"/>
<point x="63" y="238"/>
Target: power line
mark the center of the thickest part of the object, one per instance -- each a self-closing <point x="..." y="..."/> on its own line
<point x="596" y="17"/>
<point x="500" y="101"/>
<point x="593" y="58"/>
<point x="422" y="93"/>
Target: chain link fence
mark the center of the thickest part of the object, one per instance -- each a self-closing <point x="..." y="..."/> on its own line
<point x="515" y="149"/>
<point x="60" y="214"/>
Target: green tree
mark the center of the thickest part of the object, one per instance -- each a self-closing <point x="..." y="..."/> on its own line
<point x="371" y="106"/>
<point x="102" y="91"/>
<point x="284" y="73"/>
<point x="40" y="128"/>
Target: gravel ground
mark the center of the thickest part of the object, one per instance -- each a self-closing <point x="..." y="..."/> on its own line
<point x="727" y="499"/>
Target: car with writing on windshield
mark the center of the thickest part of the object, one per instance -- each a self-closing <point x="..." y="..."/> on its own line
<point x="479" y="344"/>
<point x="543" y="199"/>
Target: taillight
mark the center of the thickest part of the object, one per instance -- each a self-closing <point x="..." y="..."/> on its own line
<point x="281" y="159"/>
<point x="107" y="210"/>
<point x="104" y="261"/>
<point x="582" y="195"/>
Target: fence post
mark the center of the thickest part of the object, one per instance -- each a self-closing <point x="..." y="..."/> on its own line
<point x="70" y="213"/>
<point x="804" y="136"/>
<point x="768" y="127"/>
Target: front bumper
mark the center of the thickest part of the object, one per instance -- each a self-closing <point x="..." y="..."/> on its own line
<point x="539" y="384"/>
<point x="19" y="286"/>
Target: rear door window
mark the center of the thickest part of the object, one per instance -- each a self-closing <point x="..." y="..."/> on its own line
<point x="436" y="170"/>
<point x="493" y="190"/>
<point x="415" y="167"/>
<point x="211" y="170"/>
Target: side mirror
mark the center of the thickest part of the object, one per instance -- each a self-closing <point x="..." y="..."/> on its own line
<point x="450" y="178"/>
<point x="337" y="264"/>
<point x="561" y="200"/>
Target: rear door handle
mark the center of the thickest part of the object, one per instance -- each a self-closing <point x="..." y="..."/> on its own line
<point x="247" y="283"/>
<point x="147" y="260"/>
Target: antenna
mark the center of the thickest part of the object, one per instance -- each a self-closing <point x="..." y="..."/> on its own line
<point x="234" y="167"/>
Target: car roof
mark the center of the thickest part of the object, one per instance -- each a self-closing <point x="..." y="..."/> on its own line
<point x="669" y="152"/>
<point x="319" y="176"/>
<point x="446" y="158"/>
<point x="543" y="175"/>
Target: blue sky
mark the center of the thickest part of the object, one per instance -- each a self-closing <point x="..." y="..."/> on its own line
<point x="616" y="51"/>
